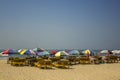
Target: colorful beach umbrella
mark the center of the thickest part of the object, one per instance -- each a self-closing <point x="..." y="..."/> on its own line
<point x="38" y="49"/>
<point x="88" y="52"/>
<point x="105" y="53"/>
<point x="26" y="52"/>
<point x="30" y="52"/>
<point x="74" y="52"/>
<point x="5" y="51"/>
<point x="61" y="53"/>
<point x="8" y="51"/>
<point x="44" y="53"/>
<point x="116" y="51"/>
<point x="53" y="52"/>
<point x="19" y="50"/>
<point x="23" y="51"/>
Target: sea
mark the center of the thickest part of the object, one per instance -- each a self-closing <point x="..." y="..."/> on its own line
<point x="23" y="56"/>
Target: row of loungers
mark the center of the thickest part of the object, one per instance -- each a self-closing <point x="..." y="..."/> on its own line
<point x="60" y="62"/>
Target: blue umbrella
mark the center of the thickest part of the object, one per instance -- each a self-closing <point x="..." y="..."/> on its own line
<point x="74" y="52"/>
<point x="44" y="53"/>
<point x="30" y="52"/>
<point x="11" y="51"/>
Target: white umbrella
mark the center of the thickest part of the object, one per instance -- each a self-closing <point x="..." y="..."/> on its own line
<point x="105" y="52"/>
<point x="116" y="52"/>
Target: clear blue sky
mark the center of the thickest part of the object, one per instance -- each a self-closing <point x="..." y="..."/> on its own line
<point x="60" y="24"/>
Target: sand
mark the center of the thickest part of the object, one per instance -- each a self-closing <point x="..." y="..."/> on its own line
<point x="76" y="72"/>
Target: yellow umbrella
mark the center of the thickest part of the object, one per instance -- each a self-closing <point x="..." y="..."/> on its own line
<point x="61" y="53"/>
<point x="23" y="51"/>
<point x="86" y="51"/>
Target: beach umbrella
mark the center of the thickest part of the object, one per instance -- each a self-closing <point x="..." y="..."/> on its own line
<point x="8" y="51"/>
<point x="5" y="51"/>
<point x="105" y="53"/>
<point x="30" y="52"/>
<point x="23" y="51"/>
<point x="61" y="53"/>
<point x="27" y="52"/>
<point x="38" y="49"/>
<point x="74" y="52"/>
<point x="54" y="52"/>
<point x="116" y="52"/>
<point x="88" y="52"/>
<point x="19" y="50"/>
<point x="44" y="53"/>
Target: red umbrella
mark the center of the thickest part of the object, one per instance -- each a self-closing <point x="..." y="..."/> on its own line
<point x="5" y="51"/>
<point x="54" y="51"/>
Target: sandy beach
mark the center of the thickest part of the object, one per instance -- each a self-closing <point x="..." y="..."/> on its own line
<point x="76" y="72"/>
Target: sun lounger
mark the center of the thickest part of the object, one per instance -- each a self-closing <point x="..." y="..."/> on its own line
<point x="18" y="62"/>
<point x="54" y="59"/>
<point x="9" y="60"/>
<point x="85" y="60"/>
<point x="111" y="59"/>
<point x="30" y="61"/>
<point x="96" y="60"/>
<point x="63" y="63"/>
<point x="73" y="59"/>
<point x="44" y="64"/>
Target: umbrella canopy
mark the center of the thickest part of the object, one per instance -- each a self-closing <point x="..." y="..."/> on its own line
<point x="116" y="52"/>
<point x="105" y="53"/>
<point x="38" y="49"/>
<point x="30" y="52"/>
<point x="8" y="51"/>
<point x="5" y="51"/>
<point x="19" y="50"/>
<point x="88" y="52"/>
<point x="61" y="53"/>
<point x="53" y="52"/>
<point x="74" y="52"/>
<point x="23" y="51"/>
<point x="44" y="53"/>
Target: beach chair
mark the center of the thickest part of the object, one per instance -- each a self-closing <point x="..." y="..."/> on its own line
<point x="63" y="63"/>
<point x="85" y="60"/>
<point x="9" y="60"/>
<point x="72" y="59"/>
<point x="118" y="58"/>
<point x="113" y="59"/>
<point x="44" y="63"/>
<point x="18" y="62"/>
<point x="97" y="60"/>
<point x="54" y="59"/>
<point x="30" y="61"/>
<point x="48" y="64"/>
<point x="108" y="59"/>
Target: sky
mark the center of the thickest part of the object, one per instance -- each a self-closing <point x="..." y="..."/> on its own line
<point x="60" y="24"/>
